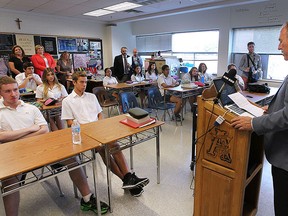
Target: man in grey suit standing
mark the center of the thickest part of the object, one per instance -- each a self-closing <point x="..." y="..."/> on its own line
<point x="274" y="127"/>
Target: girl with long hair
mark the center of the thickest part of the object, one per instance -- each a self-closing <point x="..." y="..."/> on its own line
<point x="152" y="72"/>
<point x="51" y="88"/>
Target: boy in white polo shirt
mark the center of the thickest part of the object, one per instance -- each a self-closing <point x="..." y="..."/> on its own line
<point x="85" y="107"/>
<point x="20" y="120"/>
<point x="28" y="79"/>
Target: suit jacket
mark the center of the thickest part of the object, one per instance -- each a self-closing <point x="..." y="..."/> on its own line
<point x="39" y="63"/>
<point x="274" y="126"/>
<point x="118" y="67"/>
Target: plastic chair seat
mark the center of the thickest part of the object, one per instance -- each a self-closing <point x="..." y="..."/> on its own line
<point x="104" y="99"/>
<point x="155" y="102"/>
<point x="128" y="100"/>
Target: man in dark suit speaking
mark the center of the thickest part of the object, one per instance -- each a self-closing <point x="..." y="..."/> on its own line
<point x="274" y="127"/>
<point x="121" y="66"/>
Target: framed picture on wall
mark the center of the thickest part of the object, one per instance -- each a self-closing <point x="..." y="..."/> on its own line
<point x="6" y="42"/>
<point x="82" y="45"/>
<point x="49" y="44"/>
<point x="95" y="45"/>
<point x="67" y="44"/>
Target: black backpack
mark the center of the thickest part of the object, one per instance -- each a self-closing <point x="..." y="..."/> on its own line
<point x="259" y="88"/>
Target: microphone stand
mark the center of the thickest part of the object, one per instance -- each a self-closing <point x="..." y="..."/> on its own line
<point x="216" y="100"/>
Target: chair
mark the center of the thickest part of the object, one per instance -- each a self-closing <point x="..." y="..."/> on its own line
<point x="104" y="100"/>
<point x="156" y="102"/>
<point x="128" y="100"/>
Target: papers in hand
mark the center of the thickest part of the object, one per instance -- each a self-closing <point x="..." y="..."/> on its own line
<point x="243" y="103"/>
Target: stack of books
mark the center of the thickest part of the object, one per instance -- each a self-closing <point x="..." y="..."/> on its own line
<point x="137" y="118"/>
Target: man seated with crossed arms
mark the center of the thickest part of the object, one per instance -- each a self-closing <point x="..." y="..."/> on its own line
<point x="20" y="120"/>
<point x="85" y="107"/>
<point x="28" y="79"/>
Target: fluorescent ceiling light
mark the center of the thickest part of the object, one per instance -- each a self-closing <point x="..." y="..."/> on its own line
<point x="98" y="13"/>
<point x="122" y="6"/>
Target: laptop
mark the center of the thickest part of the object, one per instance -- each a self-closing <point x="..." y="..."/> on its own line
<point x="226" y="101"/>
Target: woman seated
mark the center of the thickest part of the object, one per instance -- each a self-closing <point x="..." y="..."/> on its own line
<point x="51" y="88"/>
<point x="138" y="77"/>
<point x="189" y="77"/>
<point x="152" y="72"/>
<point x="203" y="73"/>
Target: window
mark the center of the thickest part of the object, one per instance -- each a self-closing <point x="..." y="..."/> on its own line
<point x="192" y="47"/>
<point x="266" y="44"/>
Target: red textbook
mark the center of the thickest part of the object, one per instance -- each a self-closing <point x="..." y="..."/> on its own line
<point x="136" y="125"/>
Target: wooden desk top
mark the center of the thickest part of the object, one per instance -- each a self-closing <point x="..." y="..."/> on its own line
<point x="256" y="97"/>
<point x="55" y="106"/>
<point x="27" y="94"/>
<point x="125" y="85"/>
<point x="180" y="89"/>
<point x="30" y="153"/>
<point x="110" y="129"/>
<point x="91" y="80"/>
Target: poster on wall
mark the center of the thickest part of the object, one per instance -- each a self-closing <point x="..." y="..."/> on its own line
<point x="82" y="45"/>
<point x="67" y="44"/>
<point x="26" y="42"/>
<point x="49" y="44"/>
<point x="95" y="45"/>
<point x="80" y="60"/>
<point x="6" y="42"/>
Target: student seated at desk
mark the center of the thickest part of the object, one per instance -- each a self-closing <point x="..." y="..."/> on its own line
<point x="189" y="77"/>
<point x="152" y="72"/>
<point x="19" y="125"/>
<point x="166" y="81"/>
<point x="51" y="88"/>
<point x="108" y="79"/>
<point x="85" y="107"/>
<point x="28" y="79"/>
<point x="137" y="76"/>
<point x="240" y="81"/>
<point x="26" y="122"/>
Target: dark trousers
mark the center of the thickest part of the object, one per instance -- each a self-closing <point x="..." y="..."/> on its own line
<point x="124" y="78"/>
<point x="280" y="185"/>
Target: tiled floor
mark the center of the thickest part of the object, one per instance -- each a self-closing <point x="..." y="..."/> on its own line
<point x="173" y="196"/>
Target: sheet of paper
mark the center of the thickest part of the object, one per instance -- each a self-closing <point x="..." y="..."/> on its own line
<point x="243" y="103"/>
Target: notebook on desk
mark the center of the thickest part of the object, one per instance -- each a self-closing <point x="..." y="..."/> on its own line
<point x="226" y="101"/>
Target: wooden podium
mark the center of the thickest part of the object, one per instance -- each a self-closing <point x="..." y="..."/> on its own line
<point x="229" y="165"/>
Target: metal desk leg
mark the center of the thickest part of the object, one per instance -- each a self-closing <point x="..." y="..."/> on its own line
<point x="2" y="208"/>
<point x="131" y="155"/>
<point x="108" y="169"/>
<point x="181" y="108"/>
<point x="164" y="114"/>
<point x="158" y="154"/>
<point x="95" y="183"/>
<point x="194" y="125"/>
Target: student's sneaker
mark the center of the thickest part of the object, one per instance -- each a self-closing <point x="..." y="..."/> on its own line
<point x="177" y="117"/>
<point x="92" y="206"/>
<point x="137" y="191"/>
<point x="133" y="181"/>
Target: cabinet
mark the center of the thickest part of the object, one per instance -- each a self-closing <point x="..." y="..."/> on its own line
<point x="229" y="165"/>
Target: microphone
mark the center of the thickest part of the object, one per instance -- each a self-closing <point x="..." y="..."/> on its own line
<point x="228" y="78"/>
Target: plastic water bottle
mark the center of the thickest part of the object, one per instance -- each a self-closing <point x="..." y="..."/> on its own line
<point x="202" y="80"/>
<point x="76" y="132"/>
